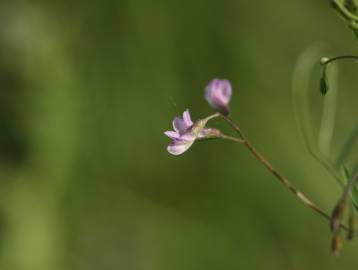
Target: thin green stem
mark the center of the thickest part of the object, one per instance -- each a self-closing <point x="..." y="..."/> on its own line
<point x="230" y="138"/>
<point x="222" y="137"/>
<point x="283" y="180"/>
<point x="344" y="11"/>
<point x="352" y="183"/>
<point x="348" y="189"/>
<point x="215" y="115"/>
<point x="340" y="207"/>
<point x="330" y="60"/>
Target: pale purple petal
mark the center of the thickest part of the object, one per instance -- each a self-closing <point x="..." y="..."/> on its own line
<point x="226" y="91"/>
<point x="211" y="91"/>
<point x="187" y="119"/>
<point x="172" y="134"/>
<point x="188" y="136"/>
<point x="179" y="125"/>
<point x="216" y="101"/>
<point x="185" y="134"/>
<point x="218" y="94"/>
<point x="179" y="147"/>
<point x="202" y="134"/>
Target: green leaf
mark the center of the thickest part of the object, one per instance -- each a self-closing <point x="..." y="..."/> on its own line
<point x="302" y="74"/>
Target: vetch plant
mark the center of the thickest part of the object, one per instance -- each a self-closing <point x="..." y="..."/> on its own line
<point x="218" y="93"/>
<point x="186" y="132"/>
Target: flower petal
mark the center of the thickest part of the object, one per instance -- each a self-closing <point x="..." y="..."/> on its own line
<point x="187" y="119"/>
<point x="188" y="136"/>
<point x="178" y="147"/>
<point x="218" y="93"/>
<point x="179" y="125"/>
<point x="226" y="91"/>
<point x="172" y="134"/>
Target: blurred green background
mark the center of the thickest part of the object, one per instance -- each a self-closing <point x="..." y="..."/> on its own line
<point x="87" y="89"/>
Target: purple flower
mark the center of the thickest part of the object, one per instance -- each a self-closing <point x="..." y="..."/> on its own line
<point x="218" y="94"/>
<point x="186" y="132"/>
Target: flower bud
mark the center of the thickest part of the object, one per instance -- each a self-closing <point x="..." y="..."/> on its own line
<point x="352" y="225"/>
<point x="218" y="93"/>
<point x="323" y="84"/>
<point x="337" y="215"/>
<point x="336" y="244"/>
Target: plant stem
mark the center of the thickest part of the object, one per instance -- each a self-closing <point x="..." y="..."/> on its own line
<point x="343" y="10"/>
<point x="234" y="139"/>
<point x="330" y="60"/>
<point x="211" y="117"/>
<point x="338" y="211"/>
<point x="283" y="180"/>
<point x="350" y="185"/>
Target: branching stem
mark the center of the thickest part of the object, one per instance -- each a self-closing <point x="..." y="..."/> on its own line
<point x="337" y="58"/>
<point x="282" y="179"/>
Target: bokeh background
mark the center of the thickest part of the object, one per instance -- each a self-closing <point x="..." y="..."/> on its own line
<point x="87" y="89"/>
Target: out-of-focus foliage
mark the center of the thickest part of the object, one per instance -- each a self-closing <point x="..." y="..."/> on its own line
<point x="87" y="89"/>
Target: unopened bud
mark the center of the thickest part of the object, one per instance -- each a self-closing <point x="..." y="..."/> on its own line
<point x="323" y="85"/>
<point x="218" y="94"/>
<point x="352" y="225"/>
<point x="336" y="216"/>
<point x="337" y="244"/>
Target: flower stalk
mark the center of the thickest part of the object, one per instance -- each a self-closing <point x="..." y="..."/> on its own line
<point x="338" y="211"/>
<point x="283" y="180"/>
<point x="218" y="93"/>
